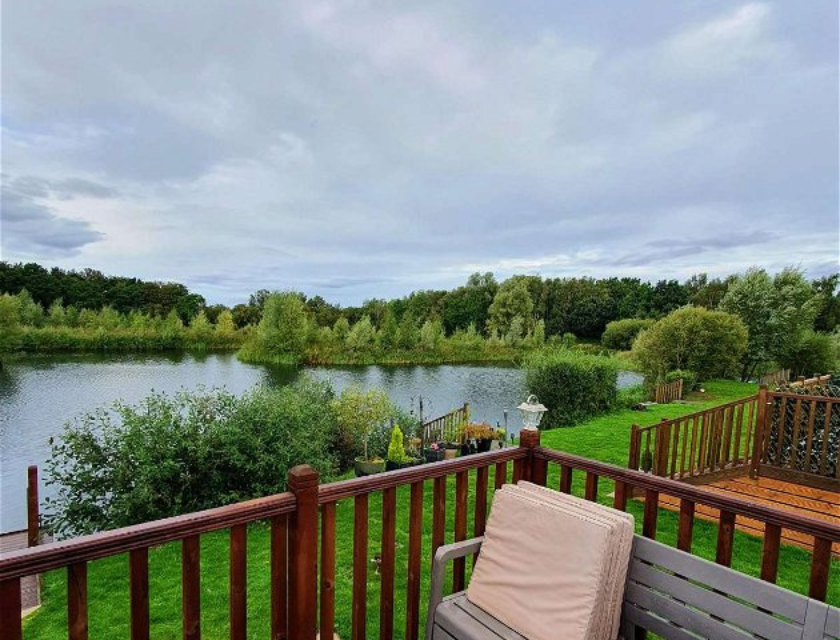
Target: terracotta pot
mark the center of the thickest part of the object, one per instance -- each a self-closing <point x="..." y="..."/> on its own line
<point x="450" y="454"/>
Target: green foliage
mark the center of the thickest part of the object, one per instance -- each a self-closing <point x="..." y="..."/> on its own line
<point x="362" y="336"/>
<point x="359" y="413"/>
<point x="689" y="378"/>
<point x="431" y="335"/>
<point x="572" y="385"/>
<point x="283" y="329"/>
<point x="710" y="343"/>
<point x="511" y="300"/>
<point x="169" y="455"/>
<point x="620" y="334"/>
<point x="777" y="311"/>
<point x="814" y="353"/>
<point x="396" y="447"/>
<point x="470" y="304"/>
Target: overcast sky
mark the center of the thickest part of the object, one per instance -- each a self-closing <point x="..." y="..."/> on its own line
<point x="367" y="149"/>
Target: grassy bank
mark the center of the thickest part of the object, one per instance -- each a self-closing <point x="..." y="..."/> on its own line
<point x="605" y="438"/>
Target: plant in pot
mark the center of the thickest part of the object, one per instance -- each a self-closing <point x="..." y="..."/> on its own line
<point x="397" y="457"/>
<point x="359" y="413"/>
<point x="500" y="434"/>
<point x="483" y="434"/>
<point x="434" y="452"/>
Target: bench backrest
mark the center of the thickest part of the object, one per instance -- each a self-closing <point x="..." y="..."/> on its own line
<point x="670" y="592"/>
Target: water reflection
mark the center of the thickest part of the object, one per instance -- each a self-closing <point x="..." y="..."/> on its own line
<point x="39" y="394"/>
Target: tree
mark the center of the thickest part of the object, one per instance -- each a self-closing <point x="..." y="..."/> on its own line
<point x="828" y="291"/>
<point x="408" y="335"/>
<point x="224" y="324"/>
<point x="708" y="343"/>
<point x="777" y="311"/>
<point x="511" y="300"/>
<point x="431" y="335"/>
<point x="9" y="324"/>
<point x="469" y="304"/>
<point x="284" y="325"/>
<point x="390" y="332"/>
<point x="362" y="336"/>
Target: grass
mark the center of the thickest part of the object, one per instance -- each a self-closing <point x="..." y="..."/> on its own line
<point x="604" y="438"/>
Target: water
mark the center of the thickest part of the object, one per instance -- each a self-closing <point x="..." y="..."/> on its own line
<point x="39" y="394"/>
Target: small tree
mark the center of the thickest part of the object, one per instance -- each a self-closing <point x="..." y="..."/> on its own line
<point x="431" y="335"/>
<point x="359" y="413"/>
<point x="777" y="311"/>
<point x="396" y="448"/>
<point x="284" y="325"/>
<point x="512" y="299"/>
<point x="709" y="343"/>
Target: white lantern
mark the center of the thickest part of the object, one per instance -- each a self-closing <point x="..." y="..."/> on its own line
<point x="532" y="412"/>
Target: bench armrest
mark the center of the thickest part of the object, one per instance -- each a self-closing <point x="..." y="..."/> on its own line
<point x="443" y="555"/>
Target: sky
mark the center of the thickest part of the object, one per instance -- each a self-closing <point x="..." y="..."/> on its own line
<point x="369" y="149"/>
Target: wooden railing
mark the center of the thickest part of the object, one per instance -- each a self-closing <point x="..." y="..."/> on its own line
<point x="811" y="383"/>
<point x="800" y="439"/>
<point x="303" y="577"/>
<point x="730" y="509"/>
<point x="668" y="391"/>
<point x="713" y="441"/>
<point x="445" y="428"/>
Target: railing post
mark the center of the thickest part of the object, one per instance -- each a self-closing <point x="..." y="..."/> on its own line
<point x="33" y="517"/>
<point x="660" y="448"/>
<point x="533" y="470"/>
<point x="635" y="440"/>
<point x="303" y="554"/>
<point x="761" y="430"/>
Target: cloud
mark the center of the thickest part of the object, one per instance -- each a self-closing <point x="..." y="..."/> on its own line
<point x="369" y="149"/>
<point x="31" y="228"/>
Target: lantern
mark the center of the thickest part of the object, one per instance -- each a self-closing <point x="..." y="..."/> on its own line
<point x="532" y="412"/>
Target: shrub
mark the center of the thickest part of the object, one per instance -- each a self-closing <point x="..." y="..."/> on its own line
<point x="572" y="385"/>
<point x="629" y="397"/>
<point x="396" y="447"/>
<point x="689" y="378"/>
<point x="710" y="343"/>
<point x="814" y="353"/>
<point x="169" y="455"/>
<point x="620" y="334"/>
<point x="361" y="416"/>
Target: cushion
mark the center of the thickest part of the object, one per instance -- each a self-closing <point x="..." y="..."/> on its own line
<point x="541" y="570"/>
<point x="624" y="525"/>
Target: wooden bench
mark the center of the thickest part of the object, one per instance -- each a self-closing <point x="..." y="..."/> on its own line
<point x="669" y="592"/>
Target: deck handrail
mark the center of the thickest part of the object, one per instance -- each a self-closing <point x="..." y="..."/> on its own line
<point x="697" y="494"/>
<point x="303" y="578"/>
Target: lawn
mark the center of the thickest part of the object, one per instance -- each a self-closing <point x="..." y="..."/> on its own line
<point x="605" y="438"/>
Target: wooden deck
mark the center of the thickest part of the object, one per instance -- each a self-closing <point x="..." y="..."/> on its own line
<point x="809" y="501"/>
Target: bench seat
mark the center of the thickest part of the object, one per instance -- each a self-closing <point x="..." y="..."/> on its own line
<point x="668" y="592"/>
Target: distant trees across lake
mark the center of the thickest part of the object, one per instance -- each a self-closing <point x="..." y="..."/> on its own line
<point x="54" y="309"/>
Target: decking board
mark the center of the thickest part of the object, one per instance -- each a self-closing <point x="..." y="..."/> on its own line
<point x="815" y="503"/>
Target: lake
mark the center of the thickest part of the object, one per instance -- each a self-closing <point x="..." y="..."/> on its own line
<point x="39" y="394"/>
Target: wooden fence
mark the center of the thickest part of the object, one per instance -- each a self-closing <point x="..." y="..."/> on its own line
<point x="445" y="428"/>
<point x="800" y="439"/>
<point x="776" y="378"/>
<point x="811" y="383"/>
<point x="303" y="574"/>
<point x="668" y="391"/>
<point x="790" y="436"/>
<point x="713" y="441"/>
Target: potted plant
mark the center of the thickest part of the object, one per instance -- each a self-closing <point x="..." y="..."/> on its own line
<point x="359" y="412"/>
<point x="450" y="450"/>
<point x="397" y="457"/>
<point x="434" y="452"/>
<point x="483" y="434"/>
<point x="500" y="435"/>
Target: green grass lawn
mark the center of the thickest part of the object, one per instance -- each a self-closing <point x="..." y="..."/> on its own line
<point x="605" y="438"/>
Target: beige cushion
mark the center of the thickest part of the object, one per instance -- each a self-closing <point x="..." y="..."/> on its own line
<point x="541" y="569"/>
<point x="624" y="527"/>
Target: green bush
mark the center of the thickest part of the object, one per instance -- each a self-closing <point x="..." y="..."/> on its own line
<point x="620" y="334"/>
<point x="709" y="343"/>
<point x="169" y="455"/>
<point x="572" y="385"/>
<point x="814" y="353"/>
<point x="689" y="378"/>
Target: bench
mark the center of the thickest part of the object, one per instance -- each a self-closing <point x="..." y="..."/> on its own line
<point x="669" y="592"/>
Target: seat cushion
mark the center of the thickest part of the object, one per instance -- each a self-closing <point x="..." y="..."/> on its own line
<point x="541" y="570"/>
<point x="623" y="527"/>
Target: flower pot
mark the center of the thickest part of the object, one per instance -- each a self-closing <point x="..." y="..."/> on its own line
<point x="484" y="444"/>
<point x="368" y="467"/>
<point x="467" y="449"/>
<point x="450" y="454"/>
<point x="433" y="456"/>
